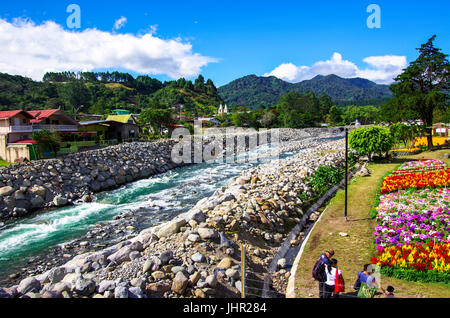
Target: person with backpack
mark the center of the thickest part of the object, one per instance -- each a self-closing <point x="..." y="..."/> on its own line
<point x="318" y="272"/>
<point x="335" y="283"/>
<point x="367" y="284"/>
<point x="362" y="277"/>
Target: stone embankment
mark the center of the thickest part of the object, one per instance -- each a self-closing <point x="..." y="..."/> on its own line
<point x="197" y="254"/>
<point x="59" y="182"/>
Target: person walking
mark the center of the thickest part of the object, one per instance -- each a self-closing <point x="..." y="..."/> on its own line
<point x="318" y="272"/>
<point x="335" y="281"/>
<point x="368" y="284"/>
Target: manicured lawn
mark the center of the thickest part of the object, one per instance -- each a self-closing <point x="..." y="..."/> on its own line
<point x="355" y="250"/>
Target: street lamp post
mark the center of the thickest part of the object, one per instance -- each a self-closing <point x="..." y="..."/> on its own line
<point x="346" y="172"/>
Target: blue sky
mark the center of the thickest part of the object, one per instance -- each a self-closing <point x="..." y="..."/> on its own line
<point x="231" y="39"/>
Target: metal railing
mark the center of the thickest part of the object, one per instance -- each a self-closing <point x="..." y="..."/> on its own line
<point x="55" y="127"/>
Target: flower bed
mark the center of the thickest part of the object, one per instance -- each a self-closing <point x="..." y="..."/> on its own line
<point x="416" y="180"/>
<point x="413" y="222"/>
<point x="410" y="216"/>
<point x="423" y="141"/>
<point x="424" y="262"/>
<point x="424" y="165"/>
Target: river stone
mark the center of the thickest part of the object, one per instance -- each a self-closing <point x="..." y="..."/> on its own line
<point x="51" y="294"/>
<point x="194" y="238"/>
<point x="6" y="191"/>
<point x="226" y="263"/>
<point x="37" y="202"/>
<point x="232" y="273"/>
<point x="198" y="258"/>
<point x="166" y="257"/>
<point x="211" y="281"/>
<point x="138" y="282"/>
<point x="37" y="190"/>
<point x="28" y="285"/>
<point x="179" y="283"/>
<point x="84" y="287"/>
<point x="158" y="288"/>
<point x="106" y="285"/>
<point x="206" y="233"/>
<point x="59" y="201"/>
<point x="56" y="275"/>
<point x="121" y="292"/>
<point x="194" y="278"/>
<point x="135" y="292"/>
<point x="225" y="241"/>
<point x="281" y="263"/>
<point x="135" y="255"/>
<point x="158" y="275"/>
<point x="61" y="287"/>
<point x="171" y="228"/>
<point x="4" y="294"/>
<point x="121" y="255"/>
<point x="177" y="269"/>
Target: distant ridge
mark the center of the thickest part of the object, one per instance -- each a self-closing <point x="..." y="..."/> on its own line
<point x="254" y="91"/>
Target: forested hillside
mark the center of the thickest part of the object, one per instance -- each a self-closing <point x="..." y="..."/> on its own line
<point x="100" y="93"/>
<point x="253" y="91"/>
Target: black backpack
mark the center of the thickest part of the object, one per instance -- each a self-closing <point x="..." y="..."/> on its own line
<point x="318" y="272"/>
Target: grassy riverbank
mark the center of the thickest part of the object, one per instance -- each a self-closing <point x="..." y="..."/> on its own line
<point x="356" y="249"/>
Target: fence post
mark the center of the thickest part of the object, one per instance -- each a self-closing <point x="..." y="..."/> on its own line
<point x="243" y="270"/>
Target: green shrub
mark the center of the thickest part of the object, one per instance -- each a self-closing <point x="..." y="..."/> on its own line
<point x="370" y="141"/>
<point x="324" y="178"/>
<point x="431" y="276"/>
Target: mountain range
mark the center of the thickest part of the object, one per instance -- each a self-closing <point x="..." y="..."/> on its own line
<point x="254" y="91"/>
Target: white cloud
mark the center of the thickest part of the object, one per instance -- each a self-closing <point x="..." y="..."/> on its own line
<point x="383" y="69"/>
<point x="120" y="23"/>
<point x="32" y="50"/>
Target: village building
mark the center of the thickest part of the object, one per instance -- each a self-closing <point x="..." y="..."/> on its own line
<point x="441" y="129"/>
<point x="17" y="127"/>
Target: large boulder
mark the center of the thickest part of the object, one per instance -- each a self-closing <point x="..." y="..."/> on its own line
<point x="6" y="191"/>
<point x="121" y="292"/>
<point x="28" y="285"/>
<point x="60" y="201"/>
<point x="207" y="233"/>
<point x="121" y="255"/>
<point x="56" y="275"/>
<point x="171" y="228"/>
<point x="106" y="285"/>
<point x="37" y="190"/>
<point x="84" y="287"/>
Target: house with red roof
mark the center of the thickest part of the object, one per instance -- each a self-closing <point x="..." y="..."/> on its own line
<point x="17" y="127"/>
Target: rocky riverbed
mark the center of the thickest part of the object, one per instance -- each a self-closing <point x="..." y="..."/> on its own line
<point x="76" y="177"/>
<point x="196" y="254"/>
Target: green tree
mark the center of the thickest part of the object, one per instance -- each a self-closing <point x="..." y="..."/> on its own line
<point x="404" y="133"/>
<point x="424" y="85"/>
<point x="372" y="140"/>
<point x="325" y="105"/>
<point x="156" y="118"/>
<point x="334" y="115"/>
<point x="268" y="119"/>
<point x="75" y="96"/>
<point x="47" y="139"/>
